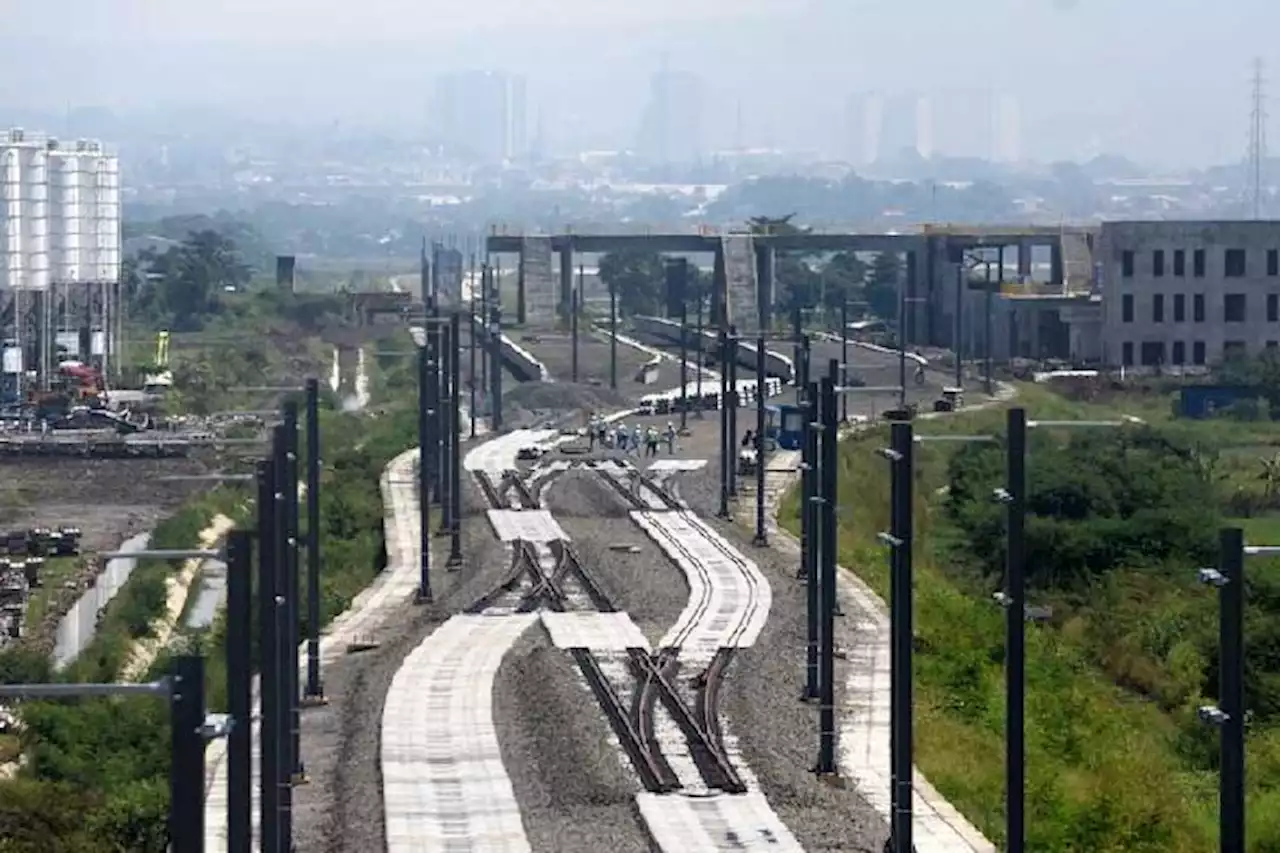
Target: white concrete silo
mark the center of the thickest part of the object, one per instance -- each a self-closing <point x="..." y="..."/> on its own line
<point x="66" y="210"/>
<point x="13" y="270"/>
<point x="36" y="215"/>
<point x="106" y="215"/>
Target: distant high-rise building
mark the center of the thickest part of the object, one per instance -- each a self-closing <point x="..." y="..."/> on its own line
<point x="906" y="126"/>
<point x="962" y="122"/>
<point x="862" y="127"/>
<point x="671" y="125"/>
<point x="1007" y="136"/>
<point x="481" y="114"/>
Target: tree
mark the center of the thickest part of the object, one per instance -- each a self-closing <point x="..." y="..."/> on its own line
<point x="1096" y="503"/>
<point x="843" y="280"/>
<point x="883" y="284"/>
<point x="637" y="277"/>
<point x="182" y="286"/>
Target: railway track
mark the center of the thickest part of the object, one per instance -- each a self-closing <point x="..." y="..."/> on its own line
<point x="636" y="488"/>
<point x="549" y="575"/>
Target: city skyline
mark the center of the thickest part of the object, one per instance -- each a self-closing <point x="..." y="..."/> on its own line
<point x="1177" y="96"/>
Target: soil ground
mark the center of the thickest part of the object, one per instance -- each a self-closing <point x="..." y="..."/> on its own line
<point x="108" y="499"/>
<point x="554" y="348"/>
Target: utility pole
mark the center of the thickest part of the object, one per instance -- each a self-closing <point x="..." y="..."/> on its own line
<point x="576" y="303"/>
<point x="315" y="691"/>
<point x="1016" y="629"/>
<point x="443" y="425"/>
<point x="961" y="271"/>
<point x="613" y="336"/>
<point x="701" y="343"/>
<point x="761" y="537"/>
<point x="726" y="452"/>
<point x="844" y="356"/>
<point x="454" y="416"/>
<point x="808" y="545"/>
<point x="827" y="575"/>
<point x="471" y="347"/>
<point x="425" y="366"/>
<point x="495" y="358"/>
<point x="684" y="361"/>
<point x="732" y="404"/>
<point x="900" y="538"/>
<point x="1258" y="137"/>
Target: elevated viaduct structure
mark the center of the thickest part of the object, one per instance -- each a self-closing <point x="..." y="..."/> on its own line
<point x="943" y="271"/>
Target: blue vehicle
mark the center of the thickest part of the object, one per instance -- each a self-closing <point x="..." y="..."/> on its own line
<point x="784" y="426"/>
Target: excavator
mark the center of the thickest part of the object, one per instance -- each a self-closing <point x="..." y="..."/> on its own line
<point x="76" y="384"/>
<point x="162" y="379"/>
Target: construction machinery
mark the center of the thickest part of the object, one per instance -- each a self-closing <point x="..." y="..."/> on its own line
<point x="162" y="379"/>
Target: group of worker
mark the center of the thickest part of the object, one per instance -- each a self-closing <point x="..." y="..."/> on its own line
<point x="633" y="440"/>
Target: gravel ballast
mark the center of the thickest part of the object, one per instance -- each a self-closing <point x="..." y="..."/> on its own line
<point x="576" y="792"/>
<point x="645" y="583"/>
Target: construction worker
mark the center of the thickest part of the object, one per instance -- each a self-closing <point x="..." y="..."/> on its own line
<point x="670" y="435"/>
<point x="651" y="442"/>
<point x="637" y="436"/>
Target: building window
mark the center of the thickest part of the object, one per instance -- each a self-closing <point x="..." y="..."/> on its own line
<point x="1233" y="263"/>
<point x="1273" y="308"/>
<point x="1179" y="308"/>
<point x="1157" y="308"/>
<point x="1126" y="353"/>
<point x="1126" y="308"/>
<point x="1179" y="262"/>
<point x="1233" y="350"/>
<point x="1233" y="308"/>
<point x="1157" y="263"/>
<point x="1197" y="263"/>
<point x="1152" y="353"/>
<point x="1197" y="308"/>
<point x="1126" y="263"/>
<point x="1179" y="352"/>
<point x="1273" y="262"/>
<point x="1197" y="352"/>
<point x="1273" y="344"/>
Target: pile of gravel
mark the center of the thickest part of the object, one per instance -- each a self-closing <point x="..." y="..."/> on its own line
<point x="561" y="396"/>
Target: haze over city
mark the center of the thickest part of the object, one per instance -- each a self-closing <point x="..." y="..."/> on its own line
<point x="1164" y="82"/>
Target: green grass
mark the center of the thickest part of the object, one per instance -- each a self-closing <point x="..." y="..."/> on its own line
<point x="55" y="572"/>
<point x="10" y="748"/>
<point x="1110" y="764"/>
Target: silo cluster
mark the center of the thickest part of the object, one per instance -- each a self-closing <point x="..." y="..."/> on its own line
<point x="60" y="244"/>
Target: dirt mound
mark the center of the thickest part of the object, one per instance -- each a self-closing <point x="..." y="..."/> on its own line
<point x="562" y="396"/>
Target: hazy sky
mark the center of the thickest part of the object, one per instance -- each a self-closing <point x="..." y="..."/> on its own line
<point x="1165" y="80"/>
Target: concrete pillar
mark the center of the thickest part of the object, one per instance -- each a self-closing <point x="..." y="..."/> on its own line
<point x="911" y="309"/>
<point x="1024" y="260"/>
<point x="1055" y="263"/>
<point x="565" y="304"/>
<point x="765" y="258"/>
<point x="933" y="311"/>
<point x="719" y="318"/>
<point x="521" y="302"/>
